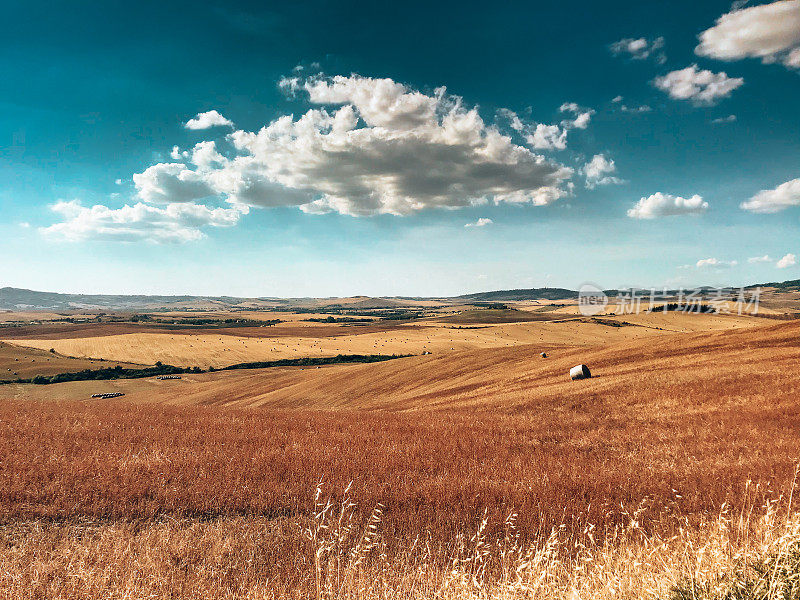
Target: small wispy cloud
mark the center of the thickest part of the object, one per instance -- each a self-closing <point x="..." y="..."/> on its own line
<point x="759" y="259"/>
<point x="542" y="136"/>
<point x="790" y="260"/>
<point x="482" y="222"/>
<point x="700" y="86"/>
<point x="715" y="263"/>
<point x="666" y="205"/>
<point x="599" y="171"/>
<point x="728" y="119"/>
<point x="619" y="101"/>
<point x="207" y="120"/>
<point x="640" y="49"/>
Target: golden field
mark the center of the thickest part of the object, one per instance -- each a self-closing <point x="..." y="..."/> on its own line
<point x="661" y="369"/>
<point x="226" y="347"/>
<point x="477" y="471"/>
<point x="24" y="361"/>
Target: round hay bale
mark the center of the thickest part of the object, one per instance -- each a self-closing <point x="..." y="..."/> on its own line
<point x="579" y="372"/>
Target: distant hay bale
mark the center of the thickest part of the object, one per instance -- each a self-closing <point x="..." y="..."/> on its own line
<point x="579" y="372"/>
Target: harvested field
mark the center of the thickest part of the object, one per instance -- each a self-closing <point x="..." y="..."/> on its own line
<point x="25" y="362"/>
<point x="186" y="472"/>
<point x="690" y="394"/>
<point x="671" y="449"/>
<point x="220" y="348"/>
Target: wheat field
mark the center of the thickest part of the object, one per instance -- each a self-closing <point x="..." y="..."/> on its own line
<point x="478" y="473"/>
<point x="292" y="341"/>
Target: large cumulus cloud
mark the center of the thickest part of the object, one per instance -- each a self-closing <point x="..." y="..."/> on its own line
<point x="363" y="147"/>
<point x="371" y="146"/>
<point x="770" y="32"/>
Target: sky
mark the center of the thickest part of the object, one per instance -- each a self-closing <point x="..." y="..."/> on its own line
<point x="333" y="149"/>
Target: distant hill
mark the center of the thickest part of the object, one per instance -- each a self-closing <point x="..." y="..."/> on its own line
<point x="20" y="299"/>
<point x="16" y="299"/>
<point x="518" y="295"/>
<point x="792" y="285"/>
<point x="564" y="294"/>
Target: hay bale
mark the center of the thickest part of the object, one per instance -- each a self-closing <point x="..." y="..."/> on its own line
<point x="579" y="372"/>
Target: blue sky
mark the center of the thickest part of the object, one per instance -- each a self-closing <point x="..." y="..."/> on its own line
<point x="412" y="149"/>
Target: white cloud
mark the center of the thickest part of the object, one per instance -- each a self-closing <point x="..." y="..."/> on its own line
<point x="547" y="137"/>
<point x="171" y="182"/>
<point x="772" y="201"/>
<point x="386" y="149"/>
<point x="666" y="205"/>
<point x="598" y="171"/>
<point x="715" y="263"/>
<point x="640" y="48"/>
<point x="207" y="120"/>
<point x="630" y="109"/>
<point x="759" y="259"/>
<point x="790" y="260"/>
<point x="513" y="119"/>
<point x="382" y="148"/>
<point x="542" y="136"/>
<point x="699" y="86"/>
<point x="728" y="119"/>
<point x="174" y="223"/>
<point x="793" y="59"/>
<point x="635" y="109"/>
<point x="581" y="119"/>
<point x="482" y="222"/>
<point x="290" y="85"/>
<point x="770" y="32"/>
<point x="25" y="225"/>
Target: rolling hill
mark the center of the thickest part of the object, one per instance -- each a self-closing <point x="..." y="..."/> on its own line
<point x="670" y="374"/>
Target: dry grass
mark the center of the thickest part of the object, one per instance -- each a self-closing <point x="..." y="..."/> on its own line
<point x="532" y="487"/>
<point x="122" y="500"/>
<point x="433" y="471"/>
<point x="751" y="554"/>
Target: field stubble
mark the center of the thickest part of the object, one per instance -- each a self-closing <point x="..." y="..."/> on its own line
<point x="204" y="500"/>
<point x="617" y="495"/>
